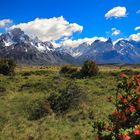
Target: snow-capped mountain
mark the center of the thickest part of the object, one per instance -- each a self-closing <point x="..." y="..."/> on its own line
<point x="74" y="51"/>
<point x="16" y="36"/>
<point x="15" y="44"/>
<point x="26" y="50"/>
<point x="123" y="51"/>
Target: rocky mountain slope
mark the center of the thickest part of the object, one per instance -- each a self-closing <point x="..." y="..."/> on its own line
<point x="123" y="51"/>
<point x="27" y="51"/>
<point x="15" y="44"/>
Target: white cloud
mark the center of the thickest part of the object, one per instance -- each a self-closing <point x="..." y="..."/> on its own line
<point x="76" y="43"/>
<point x="116" y="12"/>
<point x="134" y="37"/>
<point x="138" y="12"/>
<point x="49" y="29"/>
<point x="115" y="41"/>
<point x="115" y="31"/>
<point x="137" y="28"/>
<point x="5" y="22"/>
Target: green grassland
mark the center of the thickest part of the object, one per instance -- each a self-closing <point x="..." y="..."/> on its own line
<point x="33" y="84"/>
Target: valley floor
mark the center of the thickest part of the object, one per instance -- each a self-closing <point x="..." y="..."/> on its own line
<point x="31" y="84"/>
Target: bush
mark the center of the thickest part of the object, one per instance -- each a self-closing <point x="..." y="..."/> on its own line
<point x="89" y="68"/>
<point x="7" y="67"/>
<point x="37" y="109"/>
<point x="68" y="98"/>
<point x="2" y="89"/>
<point x="125" y="120"/>
<point x="26" y="74"/>
<point x="68" y="69"/>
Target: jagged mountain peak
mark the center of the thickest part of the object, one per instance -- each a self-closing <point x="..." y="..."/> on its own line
<point x="17" y="44"/>
<point x="16" y="32"/>
<point x="109" y="40"/>
<point x="25" y="50"/>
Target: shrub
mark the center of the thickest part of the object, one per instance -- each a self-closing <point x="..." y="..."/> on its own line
<point x="7" y="67"/>
<point x="125" y="120"/>
<point x="68" y="98"/>
<point x="37" y="109"/>
<point x="2" y="89"/>
<point x="26" y="74"/>
<point x="68" y="69"/>
<point x="89" y="68"/>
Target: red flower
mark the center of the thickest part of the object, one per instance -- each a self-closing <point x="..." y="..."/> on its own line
<point x="136" y="131"/>
<point x="129" y="83"/>
<point x="138" y="83"/>
<point x="115" y="113"/>
<point x="120" y="97"/>
<point x="124" y="137"/>
<point x="137" y="90"/>
<point x="123" y="100"/>
<point x="138" y="100"/>
<point x="109" y="98"/>
<point x="132" y="108"/>
<point x="123" y="75"/>
<point x="129" y="97"/>
<point x="138" y="75"/>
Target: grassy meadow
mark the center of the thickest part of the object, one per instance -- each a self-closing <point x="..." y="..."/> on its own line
<point x="20" y="95"/>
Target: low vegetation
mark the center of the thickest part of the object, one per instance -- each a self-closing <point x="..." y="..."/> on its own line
<point x="40" y="103"/>
<point x="89" y="68"/>
<point x="68" y="98"/>
<point x="68" y="69"/>
<point x="125" y="121"/>
<point x="7" y="67"/>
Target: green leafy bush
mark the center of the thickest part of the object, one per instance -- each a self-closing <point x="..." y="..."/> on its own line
<point x="68" y="98"/>
<point x="89" y="68"/>
<point x="7" y="66"/>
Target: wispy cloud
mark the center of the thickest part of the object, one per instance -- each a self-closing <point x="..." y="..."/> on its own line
<point x="138" y="12"/>
<point x="115" y="31"/>
<point x="116" y="12"/>
<point x="5" y="22"/>
<point x="137" y="28"/>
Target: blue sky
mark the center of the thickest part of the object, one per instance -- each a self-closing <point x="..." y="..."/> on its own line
<point x="90" y="14"/>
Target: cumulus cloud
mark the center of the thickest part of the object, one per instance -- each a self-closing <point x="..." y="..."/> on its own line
<point x="116" y="12"/>
<point x="49" y="29"/>
<point x="137" y="28"/>
<point x="75" y="43"/>
<point x="115" y="31"/>
<point x="5" y="22"/>
<point x="138" y="12"/>
<point x="134" y="37"/>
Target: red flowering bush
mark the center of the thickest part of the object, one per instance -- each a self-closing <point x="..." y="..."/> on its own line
<point x="125" y="119"/>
